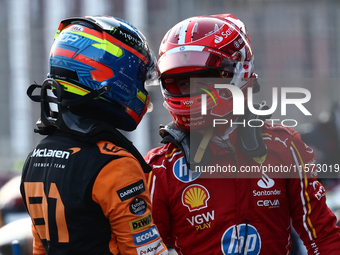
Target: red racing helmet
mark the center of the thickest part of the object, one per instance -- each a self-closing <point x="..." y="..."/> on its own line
<point x="214" y="46"/>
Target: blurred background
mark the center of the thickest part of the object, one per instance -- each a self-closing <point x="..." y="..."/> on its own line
<point x="296" y="44"/>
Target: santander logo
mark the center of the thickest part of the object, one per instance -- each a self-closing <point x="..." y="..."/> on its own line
<point x="218" y="39"/>
<point x="265" y="182"/>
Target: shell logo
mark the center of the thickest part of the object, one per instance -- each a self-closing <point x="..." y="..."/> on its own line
<point x="195" y="197"/>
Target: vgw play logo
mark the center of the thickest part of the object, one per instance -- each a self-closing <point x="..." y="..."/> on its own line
<point x="238" y="104"/>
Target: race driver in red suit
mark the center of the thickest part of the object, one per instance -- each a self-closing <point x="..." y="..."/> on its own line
<point x="229" y="211"/>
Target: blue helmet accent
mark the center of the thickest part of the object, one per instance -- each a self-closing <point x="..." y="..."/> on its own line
<point x="100" y="51"/>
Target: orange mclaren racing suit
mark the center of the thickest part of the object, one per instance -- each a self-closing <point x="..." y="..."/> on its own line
<point x="228" y="211"/>
<point x="88" y="198"/>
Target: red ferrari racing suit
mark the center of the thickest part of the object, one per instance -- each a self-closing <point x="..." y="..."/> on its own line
<point x="197" y="213"/>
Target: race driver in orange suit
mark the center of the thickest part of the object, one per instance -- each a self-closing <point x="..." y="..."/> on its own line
<point x="84" y="184"/>
<point x="229" y="189"/>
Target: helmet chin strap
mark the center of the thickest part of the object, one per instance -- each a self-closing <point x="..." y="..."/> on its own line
<point x="203" y="145"/>
<point x="62" y="118"/>
<point x="250" y="140"/>
<point x="83" y="128"/>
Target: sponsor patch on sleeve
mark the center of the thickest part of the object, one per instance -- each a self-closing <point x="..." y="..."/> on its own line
<point x="140" y="223"/>
<point x="146" y="236"/>
<point x="138" y="206"/>
<point x="152" y="248"/>
<point x="131" y="191"/>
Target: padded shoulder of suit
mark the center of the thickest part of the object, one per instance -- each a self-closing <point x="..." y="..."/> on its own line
<point x="110" y="148"/>
<point x="276" y="128"/>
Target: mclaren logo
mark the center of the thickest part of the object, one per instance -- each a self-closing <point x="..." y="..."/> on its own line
<point x="74" y="150"/>
<point x="49" y="153"/>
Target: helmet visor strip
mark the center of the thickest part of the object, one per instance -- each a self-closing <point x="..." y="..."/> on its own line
<point x="172" y="60"/>
<point x="186" y="84"/>
<point x="153" y="74"/>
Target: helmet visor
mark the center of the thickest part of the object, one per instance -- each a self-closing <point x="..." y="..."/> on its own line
<point x="191" y="83"/>
<point x="178" y="59"/>
<point x="153" y="73"/>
